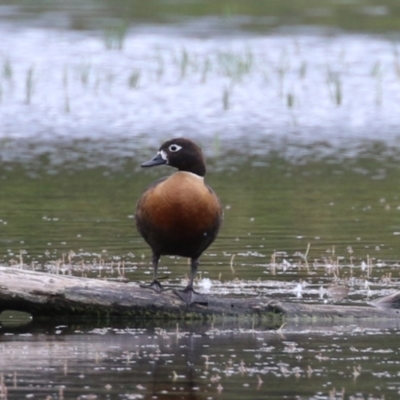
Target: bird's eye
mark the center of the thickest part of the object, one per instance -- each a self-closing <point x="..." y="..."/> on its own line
<point x="174" y="148"/>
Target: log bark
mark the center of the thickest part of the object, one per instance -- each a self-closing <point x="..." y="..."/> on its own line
<point x="50" y="295"/>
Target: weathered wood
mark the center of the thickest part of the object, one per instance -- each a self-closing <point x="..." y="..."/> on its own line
<point x="44" y="294"/>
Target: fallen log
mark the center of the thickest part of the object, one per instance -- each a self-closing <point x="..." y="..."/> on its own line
<point x="52" y="295"/>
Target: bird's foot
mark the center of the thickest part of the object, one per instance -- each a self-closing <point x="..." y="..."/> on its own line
<point x="155" y="285"/>
<point x="189" y="296"/>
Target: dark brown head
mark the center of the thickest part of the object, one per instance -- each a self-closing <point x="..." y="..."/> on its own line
<point x="180" y="153"/>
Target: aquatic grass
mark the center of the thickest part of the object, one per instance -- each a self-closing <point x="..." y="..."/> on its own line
<point x="231" y="264"/>
<point x="396" y="61"/>
<point x="29" y="84"/>
<point x="228" y="67"/>
<point x="84" y="73"/>
<point x="65" y="80"/>
<point x="334" y="83"/>
<point x="304" y="256"/>
<point x="323" y="276"/>
<point x="273" y="263"/>
<point x="133" y="78"/>
<point x="7" y="69"/>
<point x="377" y="73"/>
<point x="290" y="100"/>
<point x="182" y="60"/>
<point x="370" y="266"/>
<point x="115" y="35"/>
<point x="282" y="70"/>
<point x="302" y="70"/>
<point x="226" y="96"/>
<point x="160" y="67"/>
<point x="235" y="65"/>
<point x="205" y="70"/>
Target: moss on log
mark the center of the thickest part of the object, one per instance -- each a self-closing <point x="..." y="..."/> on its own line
<point x="48" y="295"/>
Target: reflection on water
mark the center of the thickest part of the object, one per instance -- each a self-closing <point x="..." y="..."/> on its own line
<point x="202" y="361"/>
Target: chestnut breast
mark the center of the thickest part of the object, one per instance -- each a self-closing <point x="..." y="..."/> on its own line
<point x="179" y="215"/>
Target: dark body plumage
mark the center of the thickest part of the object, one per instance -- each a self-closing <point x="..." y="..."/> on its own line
<point x="179" y="214"/>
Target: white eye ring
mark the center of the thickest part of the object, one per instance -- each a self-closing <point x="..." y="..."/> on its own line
<point x="174" y="148"/>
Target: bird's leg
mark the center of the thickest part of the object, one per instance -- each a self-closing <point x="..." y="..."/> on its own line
<point x="154" y="285"/>
<point x="194" y="263"/>
<point x="188" y="295"/>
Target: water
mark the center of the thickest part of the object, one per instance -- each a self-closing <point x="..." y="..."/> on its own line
<point x="232" y="362"/>
<point x="134" y="362"/>
<point x="299" y="124"/>
<point x="87" y="217"/>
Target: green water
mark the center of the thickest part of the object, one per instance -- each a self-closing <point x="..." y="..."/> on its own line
<point x="341" y="207"/>
<point x="365" y="15"/>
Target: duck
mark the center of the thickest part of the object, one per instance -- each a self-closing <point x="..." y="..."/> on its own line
<point x="179" y="215"/>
